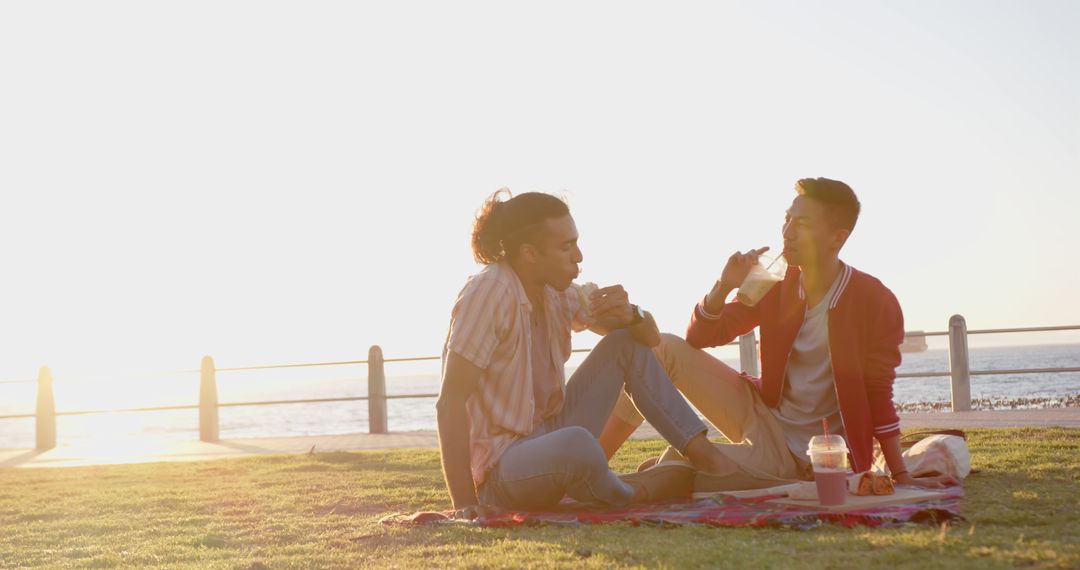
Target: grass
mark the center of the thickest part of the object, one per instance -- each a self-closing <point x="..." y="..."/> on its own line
<point x="322" y="510"/>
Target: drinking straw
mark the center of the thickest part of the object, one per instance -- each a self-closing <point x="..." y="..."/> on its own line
<point x="775" y="259"/>
<point x="825" y="426"/>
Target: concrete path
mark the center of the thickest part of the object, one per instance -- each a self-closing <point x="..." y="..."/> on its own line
<point x="1053" y="417"/>
<point x="146" y="450"/>
<point x="143" y="450"/>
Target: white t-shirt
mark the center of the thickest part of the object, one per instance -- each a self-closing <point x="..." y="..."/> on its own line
<point x="809" y="389"/>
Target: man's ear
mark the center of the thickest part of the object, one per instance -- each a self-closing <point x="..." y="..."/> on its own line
<point x="840" y="237"/>
<point x="528" y="252"/>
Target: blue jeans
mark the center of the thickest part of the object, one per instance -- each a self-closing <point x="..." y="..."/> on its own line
<point x="563" y="457"/>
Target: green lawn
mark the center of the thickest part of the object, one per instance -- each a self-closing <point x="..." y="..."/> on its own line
<point x="321" y="510"/>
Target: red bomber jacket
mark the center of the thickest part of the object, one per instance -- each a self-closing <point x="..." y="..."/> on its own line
<point x="866" y="328"/>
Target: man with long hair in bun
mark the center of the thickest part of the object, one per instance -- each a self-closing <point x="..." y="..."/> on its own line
<point x="513" y="432"/>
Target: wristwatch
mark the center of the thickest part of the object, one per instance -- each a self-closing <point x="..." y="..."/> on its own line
<point x="639" y="315"/>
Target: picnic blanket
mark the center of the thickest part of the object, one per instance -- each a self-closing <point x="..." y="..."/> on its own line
<point x="717" y="510"/>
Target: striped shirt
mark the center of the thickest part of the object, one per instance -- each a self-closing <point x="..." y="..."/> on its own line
<point x="490" y="327"/>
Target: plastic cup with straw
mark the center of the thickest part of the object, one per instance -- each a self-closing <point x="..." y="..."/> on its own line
<point x="761" y="278"/>
<point x="828" y="456"/>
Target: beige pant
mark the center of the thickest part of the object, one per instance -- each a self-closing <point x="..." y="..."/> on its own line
<point x="759" y="456"/>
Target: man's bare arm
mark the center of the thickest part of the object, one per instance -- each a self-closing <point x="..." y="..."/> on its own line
<point x="890" y="448"/>
<point x="459" y="382"/>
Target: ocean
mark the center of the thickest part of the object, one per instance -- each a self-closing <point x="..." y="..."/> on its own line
<point x="989" y="392"/>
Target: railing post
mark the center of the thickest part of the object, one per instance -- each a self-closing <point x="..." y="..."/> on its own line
<point x="208" y="401"/>
<point x="959" y="365"/>
<point x="748" y="354"/>
<point x="46" y="410"/>
<point x="376" y="382"/>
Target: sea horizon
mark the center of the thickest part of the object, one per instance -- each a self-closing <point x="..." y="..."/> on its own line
<point x="914" y="394"/>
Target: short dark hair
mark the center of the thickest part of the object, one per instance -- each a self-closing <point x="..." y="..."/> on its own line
<point x="841" y="205"/>
<point x="502" y="226"/>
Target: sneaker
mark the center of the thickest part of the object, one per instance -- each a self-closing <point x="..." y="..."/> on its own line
<point x="668" y="480"/>
<point x="667" y="456"/>
<point x="741" y="479"/>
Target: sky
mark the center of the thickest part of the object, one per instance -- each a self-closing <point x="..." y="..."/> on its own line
<point x="275" y="182"/>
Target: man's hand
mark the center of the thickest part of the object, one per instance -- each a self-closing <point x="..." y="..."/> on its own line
<point x="611" y="306"/>
<point x="611" y="310"/>
<point x="738" y="267"/>
<point x="936" y="482"/>
<point x="473" y="512"/>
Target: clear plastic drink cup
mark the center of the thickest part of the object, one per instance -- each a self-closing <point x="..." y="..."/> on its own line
<point x="829" y="457"/>
<point x="767" y="272"/>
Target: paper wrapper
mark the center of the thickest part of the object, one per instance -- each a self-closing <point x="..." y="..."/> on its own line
<point x="803" y="491"/>
<point x="859" y="484"/>
<point x="584" y="291"/>
<point x="870" y="483"/>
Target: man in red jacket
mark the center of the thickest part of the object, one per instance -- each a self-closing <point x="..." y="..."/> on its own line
<point x="830" y="339"/>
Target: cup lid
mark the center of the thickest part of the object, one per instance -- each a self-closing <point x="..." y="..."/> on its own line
<point x="774" y="264"/>
<point x="819" y="444"/>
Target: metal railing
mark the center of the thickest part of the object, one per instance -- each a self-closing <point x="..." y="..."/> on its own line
<point x="377" y="398"/>
<point x="960" y="371"/>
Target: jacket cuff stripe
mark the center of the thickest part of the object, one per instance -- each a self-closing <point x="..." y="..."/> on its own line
<point x="887" y="428"/>
<point x="706" y="314"/>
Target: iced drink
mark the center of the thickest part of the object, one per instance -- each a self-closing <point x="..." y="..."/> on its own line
<point x="828" y="455"/>
<point x="766" y="273"/>
<point x="831" y="486"/>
